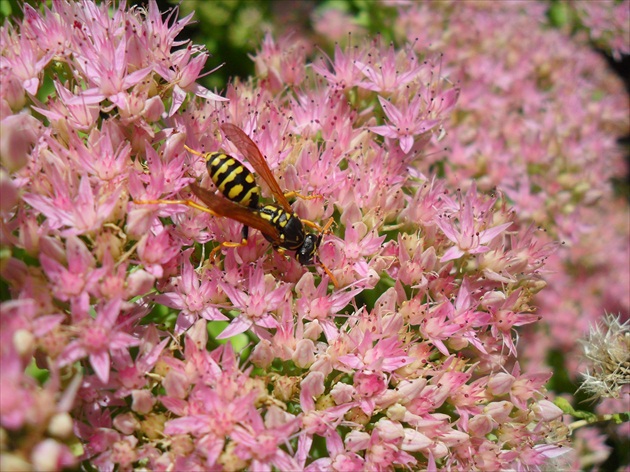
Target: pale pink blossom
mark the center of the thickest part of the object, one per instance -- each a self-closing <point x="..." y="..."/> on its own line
<point x="97" y="338"/>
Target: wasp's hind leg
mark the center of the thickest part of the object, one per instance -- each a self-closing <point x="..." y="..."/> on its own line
<point x="189" y="203"/>
<point x="244" y="236"/>
<point x="294" y="194"/>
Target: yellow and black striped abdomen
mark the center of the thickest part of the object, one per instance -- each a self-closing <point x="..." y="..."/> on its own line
<point x="233" y="179"/>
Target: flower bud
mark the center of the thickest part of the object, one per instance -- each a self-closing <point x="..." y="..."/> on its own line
<point x="415" y="441"/>
<point x="139" y="283"/>
<point x="285" y="387"/>
<point x="357" y="440"/>
<point x="396" y="412"/>
<point x="390" y="431"/>
<point x="313" y="330"/>
<point x="17" y="134"/>
<point x="369" y="384"/>
<point x="142" y="401"/>
<point x="500" y="384"/>
<point x="126" y="423"/>
<point x="153" y="426"/>
<point x="24" y="343"/>
<point x="13" y="92"/>
<point x="546" y="411"/>
<point x="342" y="393"/>
<point x="480" y="425"/>
<point x="304" y="354"/>
<point x="9" y="461"/>
<point x="60" y="425"/>
<point x="499" y="411"/>
<point x="262" y="355"/>
<point x="49" y="455"/>
<point x="313" y="384"/>
<point x="176" y="384"/>
<point x="153" y="109"/>
<point x="8" y="192"/>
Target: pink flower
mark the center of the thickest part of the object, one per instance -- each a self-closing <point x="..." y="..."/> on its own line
<point x="183" y="80"/>
<point x="314" y="303"/>
<point x="157" y="250"/>
<point x="103" y="156"/>
<point x="504" y="319"/>
<point x="192" y="296"/>
<point x="255" y="304"/>
<point x="384" y="355"/>
<point x="410" y="361"/>
<point x="96" y="338"/>
<point x="17" y="135"/>
<point x="50" y="455"/>
<point x="80" y="275"/>
<point x="79" y="211"/>
<point x="344" y="73"/>
<point x="405" y="122"/>
<point x="78" y="112"/>
<point x="25" y="61"/>
<point x="387" y="75"/>
<point x="261" y="445"/>
<point x="468" y="235"/>
<point x="131" y="372"/>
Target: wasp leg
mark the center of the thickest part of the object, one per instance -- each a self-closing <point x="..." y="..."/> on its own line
<point x="282" y="252"/>
<point x="213" y="253"/>
<point x="330" y="275"/>
<point x="324" y="230"/>
<point x="294" y="194"/>
<point x="196" y="153"/>
<point x="244" y="234"/>
<point x="189" y="203"/>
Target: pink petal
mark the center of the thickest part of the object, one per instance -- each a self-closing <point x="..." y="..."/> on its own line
<point x="406" y="143"/>
<point x="239" y="325"/>
<point x="489" y="234"/>
<point x="100" y="363"/>
<point x="453" y="253"/>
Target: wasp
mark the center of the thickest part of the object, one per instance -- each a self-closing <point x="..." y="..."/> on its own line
<point x="277" y="222"/>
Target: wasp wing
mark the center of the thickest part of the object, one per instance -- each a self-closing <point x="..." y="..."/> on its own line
<point x="251" y="152"/>
<point x="228" y="209"/>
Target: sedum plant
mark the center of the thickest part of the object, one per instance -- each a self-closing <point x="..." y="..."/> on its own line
<point x="132" y="338"/>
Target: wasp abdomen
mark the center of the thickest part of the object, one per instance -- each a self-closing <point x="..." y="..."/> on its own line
<point x="233" y="179"/>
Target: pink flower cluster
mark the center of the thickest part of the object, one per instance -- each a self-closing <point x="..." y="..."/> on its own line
<point x="606" y="23"/>
<point x="538" y="118"/>
<point x="408" y="361"/>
